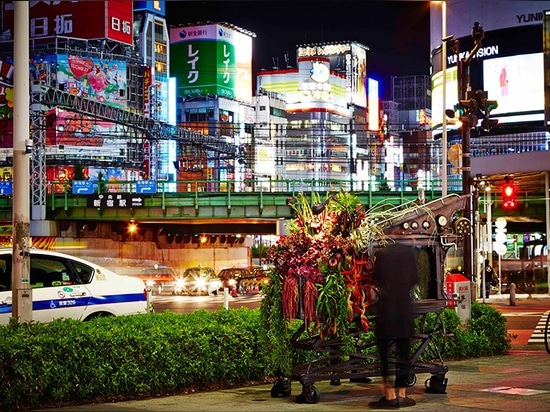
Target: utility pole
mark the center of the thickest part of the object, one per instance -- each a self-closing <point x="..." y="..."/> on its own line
<point x="468" y="121"/>
<point x="22" y="148"/>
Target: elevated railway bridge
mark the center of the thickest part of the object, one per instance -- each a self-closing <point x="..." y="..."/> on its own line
<point x="186" y="208"/>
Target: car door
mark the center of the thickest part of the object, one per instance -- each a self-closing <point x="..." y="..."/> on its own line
<point x="5" y="288"/>
<point x="58" y="289"/>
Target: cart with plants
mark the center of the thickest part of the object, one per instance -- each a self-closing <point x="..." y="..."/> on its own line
<point x="320" y="288"/>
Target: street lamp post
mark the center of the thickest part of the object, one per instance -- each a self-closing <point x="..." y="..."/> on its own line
<point x="468" y="121"/>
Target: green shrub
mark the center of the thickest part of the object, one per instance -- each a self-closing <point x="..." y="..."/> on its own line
<point x="67" y="361"/>
<point x="485" y="335"/>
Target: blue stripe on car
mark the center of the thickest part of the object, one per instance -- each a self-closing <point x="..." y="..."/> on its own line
<point x="83" y="301"/>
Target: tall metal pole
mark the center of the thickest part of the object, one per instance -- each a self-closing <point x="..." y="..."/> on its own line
<point x="547" y="202"/>
<point x="21" y="291"/>
<point x="444" y="92"/>
<point x="463" y="89"/>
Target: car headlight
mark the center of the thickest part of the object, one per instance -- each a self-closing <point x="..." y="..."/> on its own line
<point x="201" y="283"/>
<point x="150" y="283"/>
<point x="180" y="283"/>
<point x="231" y="282"/>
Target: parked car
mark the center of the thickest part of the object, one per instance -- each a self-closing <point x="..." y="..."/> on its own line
<point x="159" y="279"/>
<point x="65" y="286"/>
<point x="229" y="277"/>
<point x="198" y="281"/>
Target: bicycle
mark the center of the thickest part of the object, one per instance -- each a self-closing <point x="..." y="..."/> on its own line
<point x="547" y="333"/>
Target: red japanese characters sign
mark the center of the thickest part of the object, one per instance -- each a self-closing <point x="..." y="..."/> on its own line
<point x="80" y="19"/>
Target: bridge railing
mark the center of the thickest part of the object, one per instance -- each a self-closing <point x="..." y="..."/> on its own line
<point x="68" y="194"/>
<point x="60" y="188"/>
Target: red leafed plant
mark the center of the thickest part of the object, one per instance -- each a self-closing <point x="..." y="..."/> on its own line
<point x="322" y="263"/>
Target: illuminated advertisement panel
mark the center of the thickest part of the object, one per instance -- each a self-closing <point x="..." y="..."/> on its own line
<point x="311" y="87"/>
<point x="451" y="97"/>
<point x="73" y="19"/>
<point x="374" y="108"/>
<point x="211" y="60"/>
<point x="6" y="103"/>
<point x="265" y="158"/>
<point x="103" y="80"/>
<point x="156" y="7"/>
<point x="515" y="83"/>
<point x="73" y="133"/>
<point x="347" y="59"/>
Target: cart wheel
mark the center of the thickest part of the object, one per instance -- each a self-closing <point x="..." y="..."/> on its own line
<point x="282" y="387"/>
<point x="410" y="380"/>
<point x="310" y="394"/>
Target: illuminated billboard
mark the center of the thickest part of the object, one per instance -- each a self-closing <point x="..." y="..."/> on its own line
<point x="212" y="60"/>
<point x="348" y="60"/>
<point x="311" y="87"/>
<point x="111" y="19"/>
<point x="73" y="133"/>
<point x="156" y="7"/>
<point x="451" y="98"/>
<point x="99" y="79"/>
<point x="515" y="82"/>
<point x="374" y="107"/>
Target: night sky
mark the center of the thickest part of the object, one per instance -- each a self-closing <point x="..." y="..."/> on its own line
<point x="396" y="32"/>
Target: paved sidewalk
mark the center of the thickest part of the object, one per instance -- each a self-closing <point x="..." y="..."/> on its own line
<point x="517" y="381"/>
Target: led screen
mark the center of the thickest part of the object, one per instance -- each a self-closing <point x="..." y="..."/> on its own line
<point x="515" y="83"/>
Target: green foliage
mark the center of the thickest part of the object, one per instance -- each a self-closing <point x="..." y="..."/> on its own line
<point x="125" y="357"/>
<point x="68" y="362"/>
<point x="485" y="335"/>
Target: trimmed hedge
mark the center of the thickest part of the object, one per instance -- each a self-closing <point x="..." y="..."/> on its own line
<point x="71" y="362"/>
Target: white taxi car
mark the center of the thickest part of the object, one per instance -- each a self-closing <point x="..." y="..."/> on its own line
<point x="65" y="286"/>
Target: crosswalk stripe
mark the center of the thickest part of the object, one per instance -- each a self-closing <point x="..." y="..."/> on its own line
<point x="538" y="333"/>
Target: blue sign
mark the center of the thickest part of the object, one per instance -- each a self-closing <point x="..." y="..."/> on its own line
<point x="6" y="188"/>
<point x="146" y="186"/>
<point x="83" y="187"/>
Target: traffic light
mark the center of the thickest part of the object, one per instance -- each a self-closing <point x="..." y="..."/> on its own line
<point x="465" y="111"/>
<point x="508" y="195"/>
<point x="475" y="107"/>
<point x="486" y="106"/>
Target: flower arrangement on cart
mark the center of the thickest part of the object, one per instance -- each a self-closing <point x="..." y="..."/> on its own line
<point x="322" y="269"/>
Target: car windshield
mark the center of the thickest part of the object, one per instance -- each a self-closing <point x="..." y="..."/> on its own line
<point x="202" y="272"/>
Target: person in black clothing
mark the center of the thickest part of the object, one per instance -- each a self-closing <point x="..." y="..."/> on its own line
<point x="395" y="273"/>
<point x="488" y="279"/>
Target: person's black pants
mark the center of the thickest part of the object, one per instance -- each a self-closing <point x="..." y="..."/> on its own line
<point x="487" y="290"/>
<point x="402" y="357"/>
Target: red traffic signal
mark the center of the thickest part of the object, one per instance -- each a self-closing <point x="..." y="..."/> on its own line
<point x="508" y="196"/>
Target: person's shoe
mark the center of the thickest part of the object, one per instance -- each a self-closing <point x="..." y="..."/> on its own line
<point x="406" y="401"/>
<point x="383" y="403"/>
